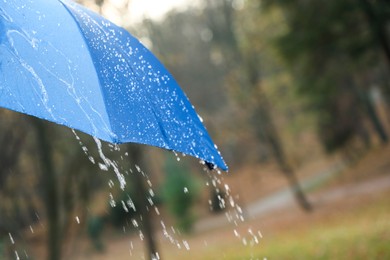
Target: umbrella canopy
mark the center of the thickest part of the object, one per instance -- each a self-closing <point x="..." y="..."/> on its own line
<point x="64" y="63"/>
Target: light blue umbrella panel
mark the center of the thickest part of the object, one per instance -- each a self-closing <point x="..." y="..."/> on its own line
<point x="64" y="63"/>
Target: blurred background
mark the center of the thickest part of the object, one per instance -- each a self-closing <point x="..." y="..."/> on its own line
<point x="295" y="93"/>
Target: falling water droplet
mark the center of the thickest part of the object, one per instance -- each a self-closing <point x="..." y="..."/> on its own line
<point x="11" y="238"/>
<point x="141" y="235"/>
<point x="112" y="201"/>
<point x="186" y="245"/>
<point x="130" y="203"/>
<point x="135" y="223"/>
<point x="231" y="200"/>
<point x="109" y="163"/>
<point x="91" y="159"/>
<point x="111" y="184"/>
<point x="124" y="206"/>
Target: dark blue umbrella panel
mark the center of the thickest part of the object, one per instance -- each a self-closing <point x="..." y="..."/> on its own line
<point x="61" y="62"/>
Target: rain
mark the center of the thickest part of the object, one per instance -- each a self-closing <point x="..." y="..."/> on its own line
<point x="246" y="130"/>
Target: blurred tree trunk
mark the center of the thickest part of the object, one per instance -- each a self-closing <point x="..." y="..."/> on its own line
<point x="12" y="141"/>
<point x="369" y="108"/>
<point x="51" y="196"/>
<point x="9" y="154"/>
<point x="263" y="123"/>
<point x="75" y="193"/>
<point x="266" y="130"/>
<point x="377" y="22"/>
<point x="249" y="83"/>
<point x="135" y="154"/>
<point x="374" y="118"/>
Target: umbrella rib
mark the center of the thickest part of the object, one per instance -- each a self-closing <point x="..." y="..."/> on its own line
<point x="143" y="71"/>
<point x="113" y="136"/>
<point x="139" y="77"/>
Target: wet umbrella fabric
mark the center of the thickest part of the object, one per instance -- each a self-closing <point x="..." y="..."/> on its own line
<point x="61" y="62"/>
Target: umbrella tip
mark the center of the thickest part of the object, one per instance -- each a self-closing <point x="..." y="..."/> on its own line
<point x="210" y="166"/>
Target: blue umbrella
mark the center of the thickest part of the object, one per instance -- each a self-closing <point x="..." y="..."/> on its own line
<point x="64" y="63"/>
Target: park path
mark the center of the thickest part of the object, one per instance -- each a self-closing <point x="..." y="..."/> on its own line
<point x="262" y="209"/>
<point x="283" y="199"/>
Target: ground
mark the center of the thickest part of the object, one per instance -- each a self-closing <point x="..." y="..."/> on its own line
<point x="349" y="220"/>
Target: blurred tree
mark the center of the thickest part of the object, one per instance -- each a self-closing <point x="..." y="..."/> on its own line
<point x="17" y="205"/>
<point x="204" y="52"/>
<point x="142" y="198"/>
<point x="242" y="65"/>
<point x="51" y="191"/>
<point x="334" y="59"/>
<point x="378" y="17"/>
<point x="179" y="193"/>
<point x="65" y="183"/>
<point x="68" y="187"/>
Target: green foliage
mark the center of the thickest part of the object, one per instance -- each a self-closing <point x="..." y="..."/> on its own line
<point x="358" y="233"/>
<point x="361" y="236"/>
<point x="180" y="192"/>
<point x="333" y="54"/>
<point x="95" y="229"/>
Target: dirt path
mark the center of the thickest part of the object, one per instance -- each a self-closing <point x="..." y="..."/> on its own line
<point x="345" y="189"/>
<point x="217" y="230"/>
<point x="283" y="199"/>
